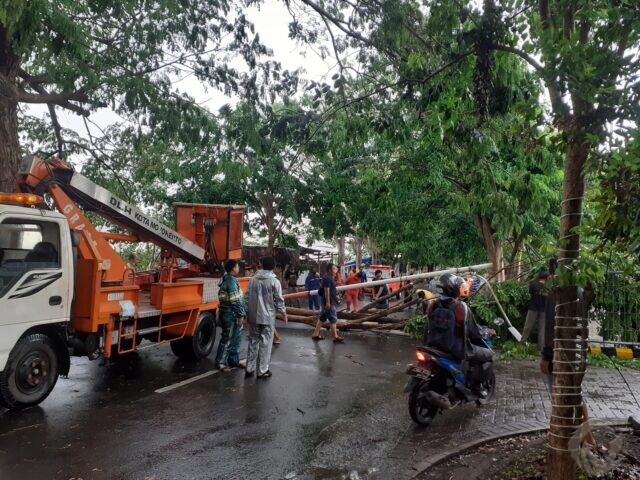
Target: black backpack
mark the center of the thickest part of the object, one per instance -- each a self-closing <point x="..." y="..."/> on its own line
<point x="441" y="333"/>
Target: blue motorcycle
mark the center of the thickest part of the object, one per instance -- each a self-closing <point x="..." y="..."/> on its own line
<point x="438" y="382"/>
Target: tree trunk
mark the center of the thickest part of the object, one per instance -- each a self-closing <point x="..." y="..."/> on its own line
<point x="493" y="248"/>
<point x="271" y="235"/>
<point x="9" y="143"/>
<point x="341" y="242"/>
<point x="566" y="410"/>
<point x="357" y="246"/>
<point x="512" y="270"/>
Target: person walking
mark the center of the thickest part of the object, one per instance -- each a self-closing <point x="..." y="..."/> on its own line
<point x="264" y="300"/>
<point x="313" y="282"/>
<point x="328" y="297"/>
<point x="352" y="294"/>
<point x="537" y="306"/>
<point x="232" y="312"/>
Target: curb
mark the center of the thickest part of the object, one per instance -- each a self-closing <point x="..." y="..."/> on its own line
<point x="625" y="353"/>
<point x="421" y="467"/>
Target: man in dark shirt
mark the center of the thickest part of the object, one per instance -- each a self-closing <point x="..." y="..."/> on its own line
<point x="536" y="312"/>
<point x="313" y="282"/>
<point x="475" y="349"/>
<point x="362" y="276"/>
<point x="328" y="301"/>
<point x="380" y="291"/>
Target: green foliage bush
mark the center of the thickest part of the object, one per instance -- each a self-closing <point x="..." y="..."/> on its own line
<point x="605" y="361"/>
<point x="512" y="350"/>
<point x="514" y="298"/>
<point x="415" y="326"/>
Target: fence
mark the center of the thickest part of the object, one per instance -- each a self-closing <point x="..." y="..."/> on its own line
<point x="616" y="309"/>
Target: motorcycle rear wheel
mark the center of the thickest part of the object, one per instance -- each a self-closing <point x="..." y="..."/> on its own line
<point x="421" y="411"/>
<point x="490" y="386"/>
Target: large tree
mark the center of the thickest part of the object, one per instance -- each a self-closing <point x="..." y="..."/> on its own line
<point x="262" y="158"/>
<point x="426" y="175"/>
<point x="80" y="55"/>
<point x="585" y="54"/>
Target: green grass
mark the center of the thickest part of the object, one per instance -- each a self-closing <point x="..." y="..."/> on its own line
<point x="605" y="361"/>
<point x="511" y="350"/>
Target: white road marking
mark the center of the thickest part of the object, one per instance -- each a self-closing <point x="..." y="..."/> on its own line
<point x="168" y="388"/>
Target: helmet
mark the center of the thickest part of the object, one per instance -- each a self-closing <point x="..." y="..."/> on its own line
<point x="450" y="285"/>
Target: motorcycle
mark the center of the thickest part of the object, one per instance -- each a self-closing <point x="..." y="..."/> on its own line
<point x="438" y="382"/>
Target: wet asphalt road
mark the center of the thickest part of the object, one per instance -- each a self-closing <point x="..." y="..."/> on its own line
<point x="329" y="411"/>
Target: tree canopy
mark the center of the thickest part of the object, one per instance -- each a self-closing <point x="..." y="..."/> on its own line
<point x="128" y="55"/>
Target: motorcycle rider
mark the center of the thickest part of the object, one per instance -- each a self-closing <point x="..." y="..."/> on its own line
<point x="448" y="319"/>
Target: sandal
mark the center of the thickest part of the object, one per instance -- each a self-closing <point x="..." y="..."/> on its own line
<point x="266" y="374"/>
<point x="317" y="338"/>
<point x="338" y="340"/>
<point x="276" y="342"/>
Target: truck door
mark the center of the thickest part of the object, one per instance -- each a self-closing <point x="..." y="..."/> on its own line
<point x="35" y="275"/>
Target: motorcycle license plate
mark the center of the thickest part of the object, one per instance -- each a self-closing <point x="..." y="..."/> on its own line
<point x="420" y="372"/>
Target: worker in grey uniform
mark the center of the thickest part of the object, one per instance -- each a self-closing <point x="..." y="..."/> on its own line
<point x="264" y="296"/>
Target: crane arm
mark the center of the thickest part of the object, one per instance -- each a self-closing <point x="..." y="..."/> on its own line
<point x="41" y="174"/>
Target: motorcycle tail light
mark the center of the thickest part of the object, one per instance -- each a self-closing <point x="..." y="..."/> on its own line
<point x="421" y="356"/>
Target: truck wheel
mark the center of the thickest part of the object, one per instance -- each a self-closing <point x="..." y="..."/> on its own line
<point x="200" y="345"/>
<point x="31" y="372"/>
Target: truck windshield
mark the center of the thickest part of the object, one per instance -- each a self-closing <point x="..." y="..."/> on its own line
<point x="26" y="246"/>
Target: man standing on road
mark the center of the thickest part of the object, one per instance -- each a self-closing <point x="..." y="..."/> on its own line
<point x="265" y="299"/>
<point x="380" y="291"/>
<point x="537" y="306"/>
<point x="232" y="312"/>
<point x="313" y="282"/>
<point x="362" y="276"/>
<point x="328" y="300"/>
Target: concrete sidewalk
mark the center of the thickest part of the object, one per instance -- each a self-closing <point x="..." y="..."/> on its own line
<point x="522" y="403"/>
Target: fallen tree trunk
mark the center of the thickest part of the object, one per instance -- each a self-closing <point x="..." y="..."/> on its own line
<point x="354" y="320"/>
<point x="386" y="312"/>
<point x="386" y="297"/>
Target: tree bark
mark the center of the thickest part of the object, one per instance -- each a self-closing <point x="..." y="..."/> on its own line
<point x="271" y="235"/>
<point x="512" y="270"/>
<point x="357" y="246"/>
<point x="492" y="246"/>
<point x="9" y="143"/>
<point x="341" y="243"/>
<point x="566" y="410"/>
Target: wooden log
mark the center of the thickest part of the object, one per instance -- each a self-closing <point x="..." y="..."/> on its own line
<point x="303" y="312"/>
<point x="386" y="312"/>
<point x="380" y="318"/>
<point x="392" y="326"/>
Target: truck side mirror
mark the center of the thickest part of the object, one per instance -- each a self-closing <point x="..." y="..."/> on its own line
<point x="75" y="238"/>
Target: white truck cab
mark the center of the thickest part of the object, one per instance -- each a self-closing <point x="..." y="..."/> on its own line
<point x="36" y="292"/>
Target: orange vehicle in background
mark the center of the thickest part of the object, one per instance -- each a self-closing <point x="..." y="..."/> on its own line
<point x="65" y="290"/>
